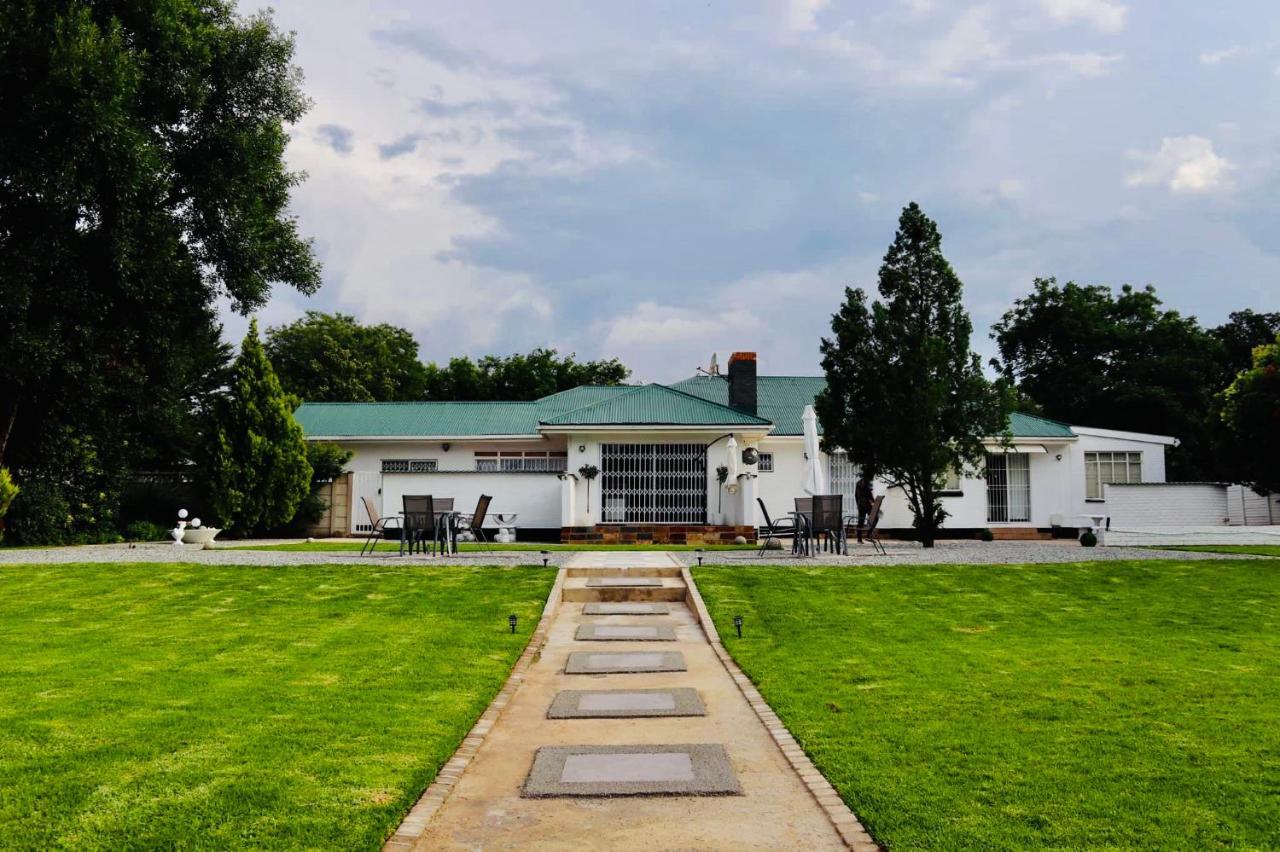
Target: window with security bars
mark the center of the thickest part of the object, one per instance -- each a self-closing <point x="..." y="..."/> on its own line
<point x="843" y="476"/>
<point x="532" y="462"/>
<point x="409" y="465"/>
<point x="1008" y="488"/>
<point x="653" y="483"/>
<point x="1110" y="469"/>
<point x="766" y="463"/>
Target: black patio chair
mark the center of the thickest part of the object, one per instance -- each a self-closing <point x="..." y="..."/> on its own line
<point x="873" y="521"/>
<point x="828" y="522"/>
<point x="380" y="527"/>
<point x="781" y="528"/>
<point x="446" y="531"/>
<point x="474" y="523"/>
<point x="804" y="511"/>
<point x="419" y="520"/>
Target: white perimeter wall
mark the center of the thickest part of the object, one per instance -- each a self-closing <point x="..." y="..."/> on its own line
<point x="1168" y="505"/>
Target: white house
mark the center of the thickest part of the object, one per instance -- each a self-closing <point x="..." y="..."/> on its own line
<point x="657" y="449"/>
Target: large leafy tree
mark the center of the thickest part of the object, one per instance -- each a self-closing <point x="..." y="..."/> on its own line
<point x="905" y="394"/>
<point x="141" y="177"/>
<point x="333" y="358"/>
<point x="256" y="467"/>
<point x="519" y="377"/>
<point x="1092" y="356"/>
<point x="1251" y="410"/>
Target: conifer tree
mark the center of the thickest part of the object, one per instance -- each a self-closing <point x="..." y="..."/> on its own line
<point x="256" y="471"/>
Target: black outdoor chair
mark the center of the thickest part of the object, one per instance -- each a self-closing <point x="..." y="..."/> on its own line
<point x="379" y="527"/>
<point x="828" y="522"/>
<point x="873" y="521"/>
<point x="419" y="522"/>
<point x="780" y="528"/>
<point x="474" y="523"/>
<point x="804" y="511"/>
<point x="446" y="532"/>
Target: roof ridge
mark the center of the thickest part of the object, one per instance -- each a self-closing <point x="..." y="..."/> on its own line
<point x="1045" y="419"/>
<point x="711" y="402"/>
<point x="631" y="389"/>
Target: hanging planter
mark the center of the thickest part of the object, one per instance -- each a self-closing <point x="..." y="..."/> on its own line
<point x="722" y="476"/>
<point x="588" y="472"/>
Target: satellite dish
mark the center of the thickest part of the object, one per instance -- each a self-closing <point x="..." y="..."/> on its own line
<point x="714" y="370"/>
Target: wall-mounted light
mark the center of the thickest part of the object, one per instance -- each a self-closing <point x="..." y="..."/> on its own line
<point x="1058" y="457"/>
<point x="445" y="446"/>
<point x="582" y="448"/>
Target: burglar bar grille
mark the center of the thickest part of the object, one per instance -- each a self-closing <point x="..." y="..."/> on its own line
<point x="653" y="483"/>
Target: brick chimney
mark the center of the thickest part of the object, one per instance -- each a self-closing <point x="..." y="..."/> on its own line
<point x="742" y="381"/>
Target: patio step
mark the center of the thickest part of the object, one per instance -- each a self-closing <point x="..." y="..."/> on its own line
<point x="646" y="571"/>
<point x="580" y="590"/>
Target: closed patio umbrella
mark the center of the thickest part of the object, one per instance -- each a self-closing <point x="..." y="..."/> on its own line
<point x="815" y="478"/>
<point x="731" y="459"/>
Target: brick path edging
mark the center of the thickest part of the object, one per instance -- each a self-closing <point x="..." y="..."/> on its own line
<point x="845" y="820"/>
<point x="432" y="799"/>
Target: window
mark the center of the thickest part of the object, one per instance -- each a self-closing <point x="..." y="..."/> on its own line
<point x="950" y="483"/>
<point x="1110" y="469"/>
<point x="766" y="463"/>
<point x="843" y="476"/>
<point x="409" y="465"/>
<point x="513" y="462"/>
<point x="1008" y="488"/>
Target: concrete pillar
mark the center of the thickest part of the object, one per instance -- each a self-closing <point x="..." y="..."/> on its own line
<point x="568" y="500"/>
<point x="746" y="503"/>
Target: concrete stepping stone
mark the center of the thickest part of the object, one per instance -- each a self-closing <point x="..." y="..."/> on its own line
<point x="701" y="769"/>
<point x="625" y="703"/>
<point x="626" y="609"/>
<point x="600" y="662"/>
<point x="626" y="633"/>
<point x="623" y="582"/>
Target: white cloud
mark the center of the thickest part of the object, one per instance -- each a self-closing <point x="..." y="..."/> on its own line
<point x="1105" y="15"/>
<point x="803" y="14"/>
<point x="1184" y="164"/>
<point x="1213" y="57"/>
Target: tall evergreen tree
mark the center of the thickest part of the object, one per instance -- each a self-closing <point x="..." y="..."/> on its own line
<point x="905" y="394"/>
<point x="256" y="469"/>
<point x="1251" y="409"/>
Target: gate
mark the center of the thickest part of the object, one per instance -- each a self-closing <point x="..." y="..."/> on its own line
<point x="365" y="484"/>
<point x="653" y="483"/>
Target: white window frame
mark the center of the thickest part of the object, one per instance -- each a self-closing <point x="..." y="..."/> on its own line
<point x="410" y="465"/>
<point x="765" y="463"/>
<point x="1095" y="480"/>
<point x="951" y="484"/>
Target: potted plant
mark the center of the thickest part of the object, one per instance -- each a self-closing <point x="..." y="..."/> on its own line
<point x="588" y="472"/>
<point x="722" y="476"/>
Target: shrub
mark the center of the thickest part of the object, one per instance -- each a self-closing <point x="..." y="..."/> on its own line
<point x="145" y="531"/>
<point x="1088" y="539"/>
<point x="8" y="490"/>
<point x="39" y="515"/>
<point x="327" y="461"/>
<point x="987" y="535"/>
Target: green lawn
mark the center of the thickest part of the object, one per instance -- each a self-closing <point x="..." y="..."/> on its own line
<point x="1255" y="549"/>
<point x="187" y="707"/>
<point x="1111" y="704"/>
<point x="468" y="547"/>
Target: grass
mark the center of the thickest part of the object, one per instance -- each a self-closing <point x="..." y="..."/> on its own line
<point x="469" y="547"/>
<point x="1255" y="549"/>
<point x="1118" y="704"/>
<point x="184" y="707"/>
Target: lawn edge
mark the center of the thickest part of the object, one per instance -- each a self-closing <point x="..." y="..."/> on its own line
<point x="415" y="823"/>
<point x="845" y="821"/>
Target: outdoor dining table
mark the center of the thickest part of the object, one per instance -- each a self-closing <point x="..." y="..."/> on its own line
<point x="449" y="518"/>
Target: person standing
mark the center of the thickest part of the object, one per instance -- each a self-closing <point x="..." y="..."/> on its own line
<point x="864" y="496"/>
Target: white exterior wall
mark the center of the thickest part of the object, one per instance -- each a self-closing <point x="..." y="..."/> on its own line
<point x="1102" y="440"/>
<point x="1167" y="505"/>
<point x="535" y="497"/>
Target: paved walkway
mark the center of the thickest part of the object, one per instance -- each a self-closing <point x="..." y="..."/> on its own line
<point x="586" y="796"/>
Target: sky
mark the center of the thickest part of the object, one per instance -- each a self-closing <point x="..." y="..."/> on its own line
<point x="658" y="181"/>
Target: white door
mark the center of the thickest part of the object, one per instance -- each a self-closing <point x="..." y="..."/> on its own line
<point x="365" y="484"/>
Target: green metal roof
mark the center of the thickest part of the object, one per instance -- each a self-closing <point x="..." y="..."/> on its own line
<point x="1034" y="426"/>
<point x="654" y="405"/>
<point x="779" y="399"/>
<point x="400" y="419"/>
<point x="697" y="401"/>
